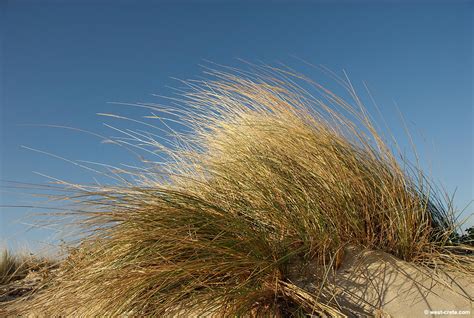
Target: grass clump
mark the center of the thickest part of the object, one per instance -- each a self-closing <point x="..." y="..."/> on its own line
<point x="267" y="177"/>
<point x="21" y="274"/>
<point x="11" y="267"/>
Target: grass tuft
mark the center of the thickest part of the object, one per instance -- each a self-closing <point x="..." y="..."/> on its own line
<point x="260" y="178"/>
<point x="11" y="267"/>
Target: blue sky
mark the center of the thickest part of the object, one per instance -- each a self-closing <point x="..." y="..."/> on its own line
<point x="62" y="61"/>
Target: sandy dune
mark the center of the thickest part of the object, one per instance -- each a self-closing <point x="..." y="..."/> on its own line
<point x="375" y="283"/>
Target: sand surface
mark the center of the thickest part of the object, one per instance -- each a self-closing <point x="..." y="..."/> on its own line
<point x="375" y="283"/>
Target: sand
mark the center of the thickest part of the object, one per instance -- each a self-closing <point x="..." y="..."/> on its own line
<point x="375" y="283"/>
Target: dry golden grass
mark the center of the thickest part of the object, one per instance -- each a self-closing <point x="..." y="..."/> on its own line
<point x="11" y="267"/>
<point x="21" y="274"/>
<point x="268" y="178"/>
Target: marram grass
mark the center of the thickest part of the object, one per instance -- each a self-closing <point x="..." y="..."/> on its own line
<point x="11" y="267"/>
<point x="266" y="176"/>
<point x="20" y="274"/>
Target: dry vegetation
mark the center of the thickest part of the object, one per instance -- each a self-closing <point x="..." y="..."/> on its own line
<point x="22" y="274"/>
<point x="11" y="267"/>
<point x="267" y="178"/>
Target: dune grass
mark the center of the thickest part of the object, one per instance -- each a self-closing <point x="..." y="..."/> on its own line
<point x="11" y="267"/>
<point x="21" y="274"/>
<point x="262" y="177"/>
<point x="16" y="266"/>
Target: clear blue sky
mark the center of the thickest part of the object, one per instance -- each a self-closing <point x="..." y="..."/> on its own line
<point x="62" y="61"/>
